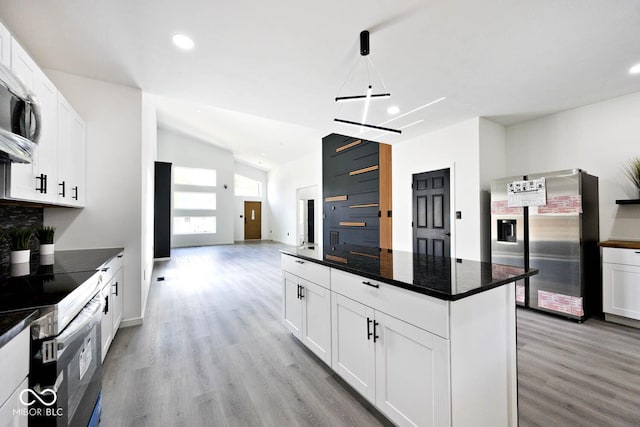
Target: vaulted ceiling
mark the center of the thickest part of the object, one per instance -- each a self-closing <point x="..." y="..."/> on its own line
<point x="263" y="75"/>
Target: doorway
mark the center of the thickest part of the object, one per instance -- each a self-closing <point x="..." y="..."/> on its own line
<point x="252" y="220"/>
<point x="431" y="213"/>
<point x="307" y="221"/>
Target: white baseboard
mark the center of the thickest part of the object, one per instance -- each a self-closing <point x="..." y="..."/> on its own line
<point x="136" y="321"/>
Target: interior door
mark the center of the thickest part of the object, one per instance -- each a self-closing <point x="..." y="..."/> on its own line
<point x="431" y="215"/>
<point x="252" y="220"/>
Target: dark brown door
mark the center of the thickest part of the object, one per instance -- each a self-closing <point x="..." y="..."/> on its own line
<point x="431" y="220"/>
<point x="252" y="220"/>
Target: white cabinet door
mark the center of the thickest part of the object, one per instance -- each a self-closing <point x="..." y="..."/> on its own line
<point x="412" y="374"/>
<point x="621" y="290"/>
<point x="45" y="160"/>
<point x="352" y="346"/>
<point x="37" y="181"/>
<point x="106" y="324"/>
<point x="316" y="319"/>
<point x="116" y="300"/>
<point x="64" y="151"/>
<point x="292" y="306"/>
<point x="7" y="417"/>
<point x="78" y="160"/>
<point x="5" y="46"/>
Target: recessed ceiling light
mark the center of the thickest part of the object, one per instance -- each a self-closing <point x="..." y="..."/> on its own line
<point x="635" y="69"/>
<point x="182" y="41"/>
<point x="394" y="109"/>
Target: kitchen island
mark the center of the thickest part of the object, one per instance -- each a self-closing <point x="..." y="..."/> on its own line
<point x="429" y="341"/>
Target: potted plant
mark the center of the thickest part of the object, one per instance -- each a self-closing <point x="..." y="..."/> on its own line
<point x="45" y="237"/>
<point x="632" y="170"/>
<point x="19" y="240"/>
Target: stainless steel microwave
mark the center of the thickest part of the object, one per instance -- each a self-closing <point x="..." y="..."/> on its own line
<point x="19" y="119"/>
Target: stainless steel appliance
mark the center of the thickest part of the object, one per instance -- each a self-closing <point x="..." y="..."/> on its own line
<point x="559" y="238"/>
<point x="65" y="343"/>
<point x="19" y="119"/>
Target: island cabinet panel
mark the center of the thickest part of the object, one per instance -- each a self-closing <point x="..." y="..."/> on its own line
<point x="412" y="373"/>
<point x="306" y="308"/>
<point x="356" y="187"/>
<point x="352" y="344"/>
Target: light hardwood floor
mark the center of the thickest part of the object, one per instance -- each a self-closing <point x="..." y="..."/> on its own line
<point x="213" y="352"/>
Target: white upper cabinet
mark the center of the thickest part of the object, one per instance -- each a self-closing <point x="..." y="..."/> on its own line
<point x="57" y="172"/>
<point x="5" y="46"/>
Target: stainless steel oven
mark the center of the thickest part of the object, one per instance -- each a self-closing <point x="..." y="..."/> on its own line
<point x="70" y="365"/>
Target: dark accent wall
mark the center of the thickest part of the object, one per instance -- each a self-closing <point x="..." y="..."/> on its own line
<point x="18" y="216"/>
<point x="352" y="169"/>
<point x="162" y="211"/>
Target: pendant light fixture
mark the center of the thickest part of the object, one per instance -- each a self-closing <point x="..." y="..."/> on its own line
<point x="368" y="96"/>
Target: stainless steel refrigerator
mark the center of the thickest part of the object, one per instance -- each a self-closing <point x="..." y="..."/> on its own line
<point x="558" y="235"/>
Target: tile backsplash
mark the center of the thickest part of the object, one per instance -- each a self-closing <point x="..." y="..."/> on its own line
<point x="18" y="216"/>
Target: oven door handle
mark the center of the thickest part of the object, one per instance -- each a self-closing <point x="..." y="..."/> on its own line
<point x="90" y="314"/>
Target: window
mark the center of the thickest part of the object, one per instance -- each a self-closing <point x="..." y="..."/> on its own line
<point x="247" y="187"/>
<point x="194" y="200"/>
<point x="194" y="224"/>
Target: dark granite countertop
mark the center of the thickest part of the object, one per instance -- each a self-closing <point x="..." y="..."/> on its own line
<point x="73" y="261"/>
<point x="11" y="324"/>
<point x="439" y="277"/>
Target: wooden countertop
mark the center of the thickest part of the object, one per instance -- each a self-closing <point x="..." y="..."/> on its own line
<point x="624" y="244"/>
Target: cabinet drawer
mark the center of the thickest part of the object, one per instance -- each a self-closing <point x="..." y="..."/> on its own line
<point x="112" y="266"/>
<point x="308" y="270"/>
<point x="15" y="364"/>
<point x="430" y="314"/>
<point x="621" y="256"/>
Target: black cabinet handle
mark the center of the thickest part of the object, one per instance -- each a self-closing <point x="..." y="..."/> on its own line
<point x="75" y="192"/>
<point x="106" y="304"/>
<point x="373" y="285"/>
<point x="298" y="292"/>
<point x="301" y="291"/>
<point x="299" y="262"/>
<point x="638" y="252"/>
<point x="116" y="286"/>
<point x="42" y="188"/>
<point x="120" y="256"/>
<point x="375" y="333"/>
<point x="369" y="334"/>
<point x="63" y="185"/>
<point x="104" y="269"/>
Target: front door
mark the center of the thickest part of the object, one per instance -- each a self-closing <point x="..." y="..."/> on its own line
<point x="252" y="220"/>
<point x="431" y="220"/>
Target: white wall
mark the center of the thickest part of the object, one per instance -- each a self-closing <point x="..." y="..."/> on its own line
<point x="149" y="152"/>
<point x="283" y="183"/>
<point x="492" y="165"/>
<point x="598" y="138"/>
<point x="112" y="216"/>
<point x="260" y="176"/>
<point x="184" y="150"/>
<point x="457" y="148"/>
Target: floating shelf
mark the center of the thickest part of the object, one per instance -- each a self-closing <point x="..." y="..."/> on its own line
<point x="628" y="202"/>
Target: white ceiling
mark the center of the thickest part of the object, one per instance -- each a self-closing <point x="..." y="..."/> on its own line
<point x="264" y="73"/>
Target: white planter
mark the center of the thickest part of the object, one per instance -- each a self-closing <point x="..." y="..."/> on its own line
<point x="47" y="259"/>
<point x="18" y="257"/>
<point x="19" y="270"/>
<point x="47" y="249"/>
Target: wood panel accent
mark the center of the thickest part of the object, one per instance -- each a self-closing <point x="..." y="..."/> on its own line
<point x="353" y="224"/>
<point x="363" y="170"/>
<point x="623" y="244"/>
<point x="363" y="254"/>
<point x="345" y="147"/>
<point x="335" y="198"/>
<point x="337" y="259"/>
<point x="369" y="205"/>
<point x="385" y="196"/>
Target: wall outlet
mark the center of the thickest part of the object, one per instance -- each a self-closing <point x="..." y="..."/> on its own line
<point x="458" y="214"/>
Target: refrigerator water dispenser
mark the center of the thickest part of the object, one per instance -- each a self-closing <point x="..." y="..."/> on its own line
<point x="507" y="230"/>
